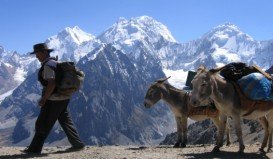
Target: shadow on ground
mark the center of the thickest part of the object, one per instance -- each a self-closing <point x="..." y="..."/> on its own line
<point x="21" y="156"/>
<point x="227" y="155"/>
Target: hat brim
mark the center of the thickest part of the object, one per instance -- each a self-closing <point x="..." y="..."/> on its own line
<point x="48" y="50"/>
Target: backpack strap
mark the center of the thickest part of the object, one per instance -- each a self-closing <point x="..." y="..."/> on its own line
<point x="49" y="62"/>
<point x="262" y="72"/>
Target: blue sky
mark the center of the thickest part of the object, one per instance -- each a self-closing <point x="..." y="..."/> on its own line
<point x="26" y="22"/>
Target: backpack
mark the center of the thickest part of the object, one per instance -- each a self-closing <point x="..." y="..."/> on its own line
<point x="69" y="78"/>
<point x="235" y="71"/>
<point x="256" y="86"/>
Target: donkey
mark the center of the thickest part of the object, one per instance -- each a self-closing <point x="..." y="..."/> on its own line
<point x="207" y="84"/>
<point x="178" y="101"/>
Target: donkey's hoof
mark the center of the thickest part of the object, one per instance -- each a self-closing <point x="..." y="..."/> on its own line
<point x="228" y="144"/>
<point x="261" y="150"/>
<point x="241" y="149"/>
<point x="216" y="149"/>
<point x="183" y="145"/>
<point x="179" y="145"/>
<point x="176" y="145"/>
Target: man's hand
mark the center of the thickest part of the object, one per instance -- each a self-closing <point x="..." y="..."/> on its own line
<point x="42" y="102"/>
<point x="48" y="91"/>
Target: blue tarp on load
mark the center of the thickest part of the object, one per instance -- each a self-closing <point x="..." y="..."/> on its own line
<point x="255" y="86"/>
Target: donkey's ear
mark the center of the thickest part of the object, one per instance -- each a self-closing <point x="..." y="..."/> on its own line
<point x="162" y="80"/>
<point x="200" y="68"/>
<point x="212" y="71"/>
<point x="215" y="70"/>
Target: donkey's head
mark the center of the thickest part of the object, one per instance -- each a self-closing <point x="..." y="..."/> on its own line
<point x="202" y="88"/>
<point x="154" y="93"/>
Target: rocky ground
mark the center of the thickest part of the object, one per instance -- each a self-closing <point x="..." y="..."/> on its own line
<point x="136" y="152"/>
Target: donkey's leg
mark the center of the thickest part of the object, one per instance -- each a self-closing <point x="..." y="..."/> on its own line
<point x="220" y="133"/>
<point x="270" y="128"/>
<point x="264" y="124"/>
<point x="228" y="133"/>
<point x="184" y="125"/>
<point x="269" y="118"/>
<point x="238" y="128"/>
<point x="217" y="123"/>
<point x="179" y="132"/>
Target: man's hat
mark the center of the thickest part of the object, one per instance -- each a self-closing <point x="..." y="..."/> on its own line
<point x="41" y="47"/>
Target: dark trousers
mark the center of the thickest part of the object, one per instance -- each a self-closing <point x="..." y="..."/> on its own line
<point x="50" y="112"/>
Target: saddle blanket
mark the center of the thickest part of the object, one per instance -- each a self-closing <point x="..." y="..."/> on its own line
<point x="210" y="111"/>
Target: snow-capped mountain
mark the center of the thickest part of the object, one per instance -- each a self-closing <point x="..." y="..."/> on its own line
<point x="139" y="28"/>
<point x="223" y="44"/>
<point x="229" y="44"/>
<point x="130" y="35"/>
<point x="66" y="42"/>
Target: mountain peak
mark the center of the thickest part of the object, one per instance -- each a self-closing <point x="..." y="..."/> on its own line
<point x="151" y="24"/>
<point x="138" y="28"/>
<point x="67" y="41"/>
<point x="76" y="34"/>
<point x="227" y="30"/>
<point x="229" y="26"/>
<point x="144" y="18"/>
<point x="122" y="20"/>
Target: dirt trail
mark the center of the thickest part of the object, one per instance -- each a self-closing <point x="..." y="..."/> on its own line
<point x="142" y="152"/>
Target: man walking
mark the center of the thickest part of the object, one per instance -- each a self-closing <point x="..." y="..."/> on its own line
<point x="53" y="105"/>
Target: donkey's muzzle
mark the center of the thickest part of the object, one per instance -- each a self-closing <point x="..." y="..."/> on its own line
<point x="194" y="102"/>
<point x="146" y="105"/>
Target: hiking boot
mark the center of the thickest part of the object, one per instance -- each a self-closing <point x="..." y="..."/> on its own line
<point x="30" y="151"/>
<point x="75" y="148"/>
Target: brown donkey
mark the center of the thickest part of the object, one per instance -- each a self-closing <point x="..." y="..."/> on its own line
<point x="227" y="98"/>
<point x="178" y="101"/>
